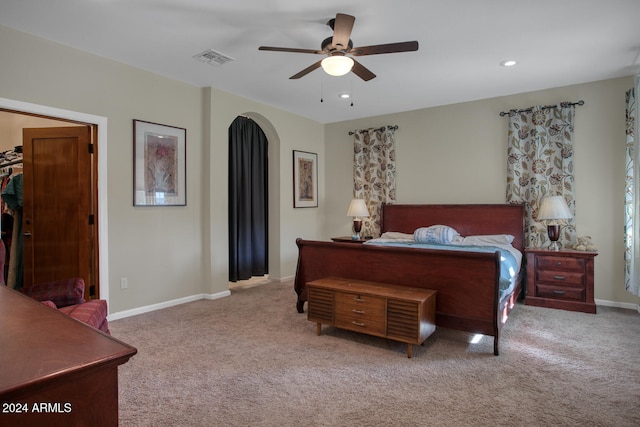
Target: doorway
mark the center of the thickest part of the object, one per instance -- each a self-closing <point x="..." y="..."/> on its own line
<point x="274" y="177"/>
<point x="248" y="200"/>
<point x="99" y="133"/>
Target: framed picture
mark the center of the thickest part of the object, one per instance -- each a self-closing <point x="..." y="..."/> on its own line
<point x="305" y="179"/>
<point x="159" y="165"/>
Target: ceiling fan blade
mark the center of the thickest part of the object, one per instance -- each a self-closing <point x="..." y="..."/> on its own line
<point x="384" y="48"/>
<point x="289" y="49"/>
<point x="362" y="72"/>
<point x="306" y="70"/>
<point x="342" y="30"/>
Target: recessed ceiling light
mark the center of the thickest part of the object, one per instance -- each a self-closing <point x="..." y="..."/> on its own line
<point x="345" y="95"/>
<point x="508" y="63"/>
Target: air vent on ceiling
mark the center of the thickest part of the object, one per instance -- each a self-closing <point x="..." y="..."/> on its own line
<point x="212" y="57"/>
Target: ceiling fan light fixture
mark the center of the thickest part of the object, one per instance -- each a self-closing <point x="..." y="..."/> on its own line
<point x="337" y="65"/>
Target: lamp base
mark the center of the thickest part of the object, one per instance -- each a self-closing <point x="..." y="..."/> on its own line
<point x="357" y="228"/>
<point x="553" y="231"/>
<point x="554" y="246"/>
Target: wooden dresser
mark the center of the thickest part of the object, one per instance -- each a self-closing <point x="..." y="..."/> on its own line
<point x="55" y="370"/>
<point x="560" y="279"/>
<point x="400" y="313"/>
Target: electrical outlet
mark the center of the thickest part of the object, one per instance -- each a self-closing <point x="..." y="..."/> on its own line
<point x="124" y="283"/>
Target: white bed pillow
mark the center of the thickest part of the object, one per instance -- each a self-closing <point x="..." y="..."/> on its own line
<point x="391" y="237"/>
<point x="488" y="240"/>
<point x="500" y="240"/>
<point x="435" y="234"/>
<point x="396" y="235"/>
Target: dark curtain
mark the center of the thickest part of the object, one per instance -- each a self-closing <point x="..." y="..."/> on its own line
<point x="248" y="201"/>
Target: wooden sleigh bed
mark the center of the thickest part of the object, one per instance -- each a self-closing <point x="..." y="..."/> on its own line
<point x="468" y="297"/>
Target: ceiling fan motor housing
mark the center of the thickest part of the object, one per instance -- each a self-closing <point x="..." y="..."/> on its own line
<point x="326" y="46"/>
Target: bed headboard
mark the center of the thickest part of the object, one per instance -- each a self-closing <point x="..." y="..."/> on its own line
<point x="473" y="219"/>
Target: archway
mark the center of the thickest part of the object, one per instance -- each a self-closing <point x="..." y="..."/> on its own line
<point x="273" y="190"/>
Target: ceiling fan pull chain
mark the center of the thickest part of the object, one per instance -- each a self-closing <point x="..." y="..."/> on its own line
<point x="351" y="83"/>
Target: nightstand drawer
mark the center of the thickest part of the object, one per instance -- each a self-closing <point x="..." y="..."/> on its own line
<point x="560" y="292"/>
<point x="568" y="278"/>
<point x="560" y="263"/>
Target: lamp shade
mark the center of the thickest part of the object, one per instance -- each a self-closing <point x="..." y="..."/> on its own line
<point x="337" y="65"/>
<point x="554" y="207"/>
<point x="357" y="207"/>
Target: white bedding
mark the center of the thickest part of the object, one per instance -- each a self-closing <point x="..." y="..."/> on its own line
<point x="502" y="241"/>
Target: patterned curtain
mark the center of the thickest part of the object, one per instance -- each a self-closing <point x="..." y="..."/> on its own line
<point x="632" y="195"/>
<point x="374" y="173"/>
<point x="540" y="163"/>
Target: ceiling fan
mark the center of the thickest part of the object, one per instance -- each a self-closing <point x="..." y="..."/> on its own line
<point x="339" y="50"/>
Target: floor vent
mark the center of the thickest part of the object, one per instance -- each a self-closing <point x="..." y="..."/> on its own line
<point x="212" y="57"/>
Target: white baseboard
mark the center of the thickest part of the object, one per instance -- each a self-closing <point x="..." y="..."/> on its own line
<point x="166" y="304"/>
<point x="627" y="305"/>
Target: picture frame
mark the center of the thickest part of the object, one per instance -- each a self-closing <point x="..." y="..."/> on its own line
<point x="159" y="164"/>
<point x="305" y="179"/>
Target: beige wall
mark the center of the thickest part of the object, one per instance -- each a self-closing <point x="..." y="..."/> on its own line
<point x="157" y="249"/>
<point x="167" y="253"/>
<point x="457" y="154"/>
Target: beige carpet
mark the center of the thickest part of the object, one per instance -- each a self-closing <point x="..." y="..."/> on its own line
<point x="251" y="360"/>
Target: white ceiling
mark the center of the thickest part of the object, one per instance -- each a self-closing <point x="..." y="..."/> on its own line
<point x="462" y="42"/>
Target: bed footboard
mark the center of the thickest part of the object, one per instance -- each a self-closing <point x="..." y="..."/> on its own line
<point x="467" y="282"/>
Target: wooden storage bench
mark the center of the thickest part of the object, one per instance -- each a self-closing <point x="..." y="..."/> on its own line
<point x="396" y="312"/>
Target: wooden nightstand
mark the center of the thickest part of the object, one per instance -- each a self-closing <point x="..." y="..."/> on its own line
<point x="560" y="279"/>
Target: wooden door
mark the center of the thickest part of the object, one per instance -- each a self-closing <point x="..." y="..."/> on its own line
<point x="58" y="206"/>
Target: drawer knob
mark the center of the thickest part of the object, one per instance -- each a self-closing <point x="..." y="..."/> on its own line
<point x="559" y="263"/>
<point x="358" y="311"/>
<point x="557" y="292"/>
<point x="559" y="277"/>
<point x="358" y="323"/>
<point x="358" y="299"/>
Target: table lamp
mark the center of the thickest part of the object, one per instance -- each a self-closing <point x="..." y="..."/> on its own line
<point x="357" y="208"/>
<point x="554" y="211"/>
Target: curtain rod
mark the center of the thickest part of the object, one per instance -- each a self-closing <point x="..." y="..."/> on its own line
<point x="564" y="104"/>
<point x="378" y="129"/>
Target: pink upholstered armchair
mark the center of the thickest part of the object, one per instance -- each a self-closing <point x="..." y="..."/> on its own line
<point x="68" y="297"/>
